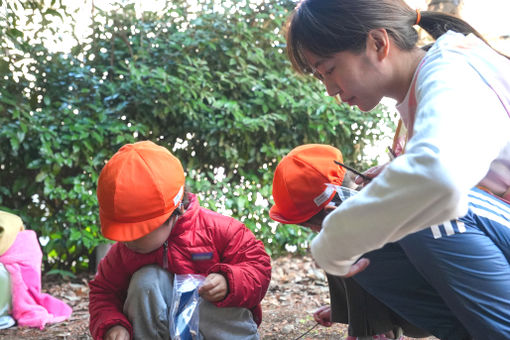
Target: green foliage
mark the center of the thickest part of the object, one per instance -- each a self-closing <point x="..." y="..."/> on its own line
<point x="55" y="135"/>
<point x="210" y="83"/>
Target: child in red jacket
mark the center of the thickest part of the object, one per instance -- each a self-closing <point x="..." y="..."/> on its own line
<point x="162" y="231"/>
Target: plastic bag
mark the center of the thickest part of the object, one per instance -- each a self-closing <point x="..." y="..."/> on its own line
<point x="343" y="192"/>
<point x="184" y="309"/>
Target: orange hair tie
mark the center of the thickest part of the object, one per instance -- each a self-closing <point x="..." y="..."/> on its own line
<point x="418" y="17"/>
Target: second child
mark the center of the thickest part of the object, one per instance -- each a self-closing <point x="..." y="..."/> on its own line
<point x="161" y="231"/>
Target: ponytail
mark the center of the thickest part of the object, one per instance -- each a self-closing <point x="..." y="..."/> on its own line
<point x="325" y="27"/>
<point x="438" y="23"/>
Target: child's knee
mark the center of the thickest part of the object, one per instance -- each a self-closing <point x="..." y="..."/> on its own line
<point x="150" y="278"/>
<point x="227" y="322"/>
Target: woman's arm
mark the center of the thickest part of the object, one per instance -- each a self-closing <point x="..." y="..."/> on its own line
<point x="460" y="128"/>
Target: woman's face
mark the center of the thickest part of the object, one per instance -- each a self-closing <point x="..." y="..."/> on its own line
<point x="154" y="239"/>
<point x="357" y="78"/>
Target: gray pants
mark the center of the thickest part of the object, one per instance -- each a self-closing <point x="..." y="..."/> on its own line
<point x="148" y="309"/>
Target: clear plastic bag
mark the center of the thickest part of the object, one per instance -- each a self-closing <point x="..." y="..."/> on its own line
<point x="184" y="310"/>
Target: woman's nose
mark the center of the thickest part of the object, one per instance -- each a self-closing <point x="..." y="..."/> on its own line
<point x="331" y="88"/>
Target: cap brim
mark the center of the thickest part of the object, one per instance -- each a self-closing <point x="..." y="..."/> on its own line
<point x="276" y="214"/>
<point x="278" y="217"/>
<point x="125" y="232"/>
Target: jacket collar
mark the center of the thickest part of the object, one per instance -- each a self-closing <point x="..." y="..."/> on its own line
<point x="185" y="219"/>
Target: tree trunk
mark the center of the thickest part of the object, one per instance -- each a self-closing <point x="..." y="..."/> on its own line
<point x="453" y="7"/>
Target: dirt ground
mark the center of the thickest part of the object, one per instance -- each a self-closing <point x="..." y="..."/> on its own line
<point x="297" y="289"/>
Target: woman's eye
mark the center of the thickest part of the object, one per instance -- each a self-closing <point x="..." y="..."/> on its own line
<point x="328" y="72"/>
<point x="317" y="75"/>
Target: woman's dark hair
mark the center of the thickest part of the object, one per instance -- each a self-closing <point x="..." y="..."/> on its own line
<point x="325" y="27"/>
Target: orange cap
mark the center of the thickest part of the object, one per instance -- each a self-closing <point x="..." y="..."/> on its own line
<point x="138" y="189"/>
<point x="299" y="183"/>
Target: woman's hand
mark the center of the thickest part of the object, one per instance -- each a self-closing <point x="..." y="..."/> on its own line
<point x="117" y="333"/>
<point x="323" y="316"/>
<point x="214" y="288"/>
<point x="372" y="172"/>
<point x="358" y="267"/>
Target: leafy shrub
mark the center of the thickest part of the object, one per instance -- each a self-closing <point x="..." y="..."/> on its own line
<point x="211" y="83"/>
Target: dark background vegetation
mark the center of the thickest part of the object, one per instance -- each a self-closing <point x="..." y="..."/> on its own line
<point x="211" y="83"/>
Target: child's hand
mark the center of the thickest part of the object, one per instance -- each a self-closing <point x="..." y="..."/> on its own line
<point x="214" y="288"/>
<point x="117" y="333"/>
<point x="323" y="316"/>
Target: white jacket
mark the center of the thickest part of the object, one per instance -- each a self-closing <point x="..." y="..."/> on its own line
<point x="460" y="138"/>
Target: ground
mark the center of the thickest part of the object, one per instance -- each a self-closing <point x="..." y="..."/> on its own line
<point x="297" y="288"/>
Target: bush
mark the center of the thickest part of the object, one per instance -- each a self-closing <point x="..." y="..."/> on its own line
<point x="211" y="83"/>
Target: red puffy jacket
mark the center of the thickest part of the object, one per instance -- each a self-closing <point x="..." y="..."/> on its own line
<point x="201" y="242"/>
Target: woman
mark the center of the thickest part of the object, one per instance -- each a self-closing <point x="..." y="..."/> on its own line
<point x="454" y="101"/>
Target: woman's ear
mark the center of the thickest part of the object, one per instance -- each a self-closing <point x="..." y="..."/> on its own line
<point x="378" y="42"/>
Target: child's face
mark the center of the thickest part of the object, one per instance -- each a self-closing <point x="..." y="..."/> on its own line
<point x="154" y="240"/>
<point x="315" y="223"/>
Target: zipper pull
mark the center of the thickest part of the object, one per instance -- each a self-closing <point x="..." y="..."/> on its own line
<point x="165" y="255"/>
